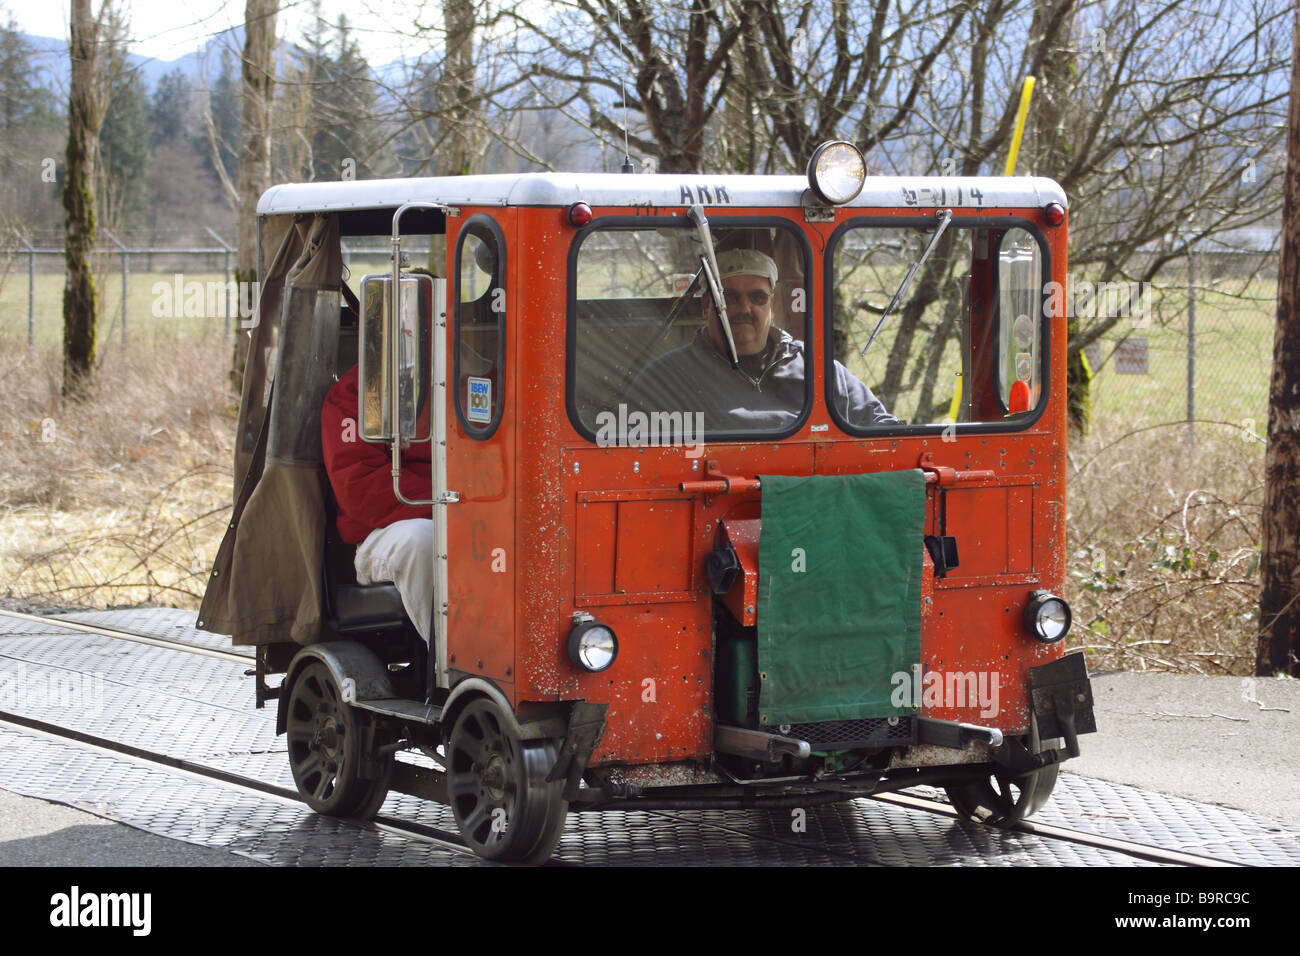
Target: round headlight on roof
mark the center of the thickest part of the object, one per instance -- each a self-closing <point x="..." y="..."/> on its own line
<point x="592" y="646"/>
<point x="836" y="172"/>
<point x="1047" y="616"/>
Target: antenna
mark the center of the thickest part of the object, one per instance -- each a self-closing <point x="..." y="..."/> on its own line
<point x="622" y="80"/>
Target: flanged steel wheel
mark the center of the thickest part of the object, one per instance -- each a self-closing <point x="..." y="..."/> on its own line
<point x="1003" y="798"/>
<point x="497" y="786"/>
<point x="327" y="748"/>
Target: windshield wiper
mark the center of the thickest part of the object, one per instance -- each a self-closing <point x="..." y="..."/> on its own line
<point x="945" y="217"/>
<point x="712" y="279"/>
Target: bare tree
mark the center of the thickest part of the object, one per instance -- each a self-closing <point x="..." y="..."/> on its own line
<point x="1279" y="606"/>
<point x="668" y="65"/>
<point x="1146" y="128"/>
<point x="1145" y="113"/>
<point x="85" y="114"/>
<point x="1050" y="155"/>
<point x="457" y="106"/>
<point x="857" y="74"/>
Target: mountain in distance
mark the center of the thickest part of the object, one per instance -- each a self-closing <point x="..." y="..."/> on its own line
<point x="51" y="65"/>
<point x="50" y="61"/>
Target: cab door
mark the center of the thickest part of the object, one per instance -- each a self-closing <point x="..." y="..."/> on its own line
<point x="479" y="547"/>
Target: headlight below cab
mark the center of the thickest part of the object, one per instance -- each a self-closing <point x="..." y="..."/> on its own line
<point x="1047" y="616"/>
<point x="592" y="646"/>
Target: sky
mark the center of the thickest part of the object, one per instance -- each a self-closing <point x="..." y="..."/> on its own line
<point x="167" y="29"/>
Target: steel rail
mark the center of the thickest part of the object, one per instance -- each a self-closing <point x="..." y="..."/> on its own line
<point x="1139" y="851"/>
<point x="407" y="828"/>
<point x="130" y="636"/>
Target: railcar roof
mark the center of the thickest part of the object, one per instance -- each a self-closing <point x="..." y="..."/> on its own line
<point x="642" y="190"/>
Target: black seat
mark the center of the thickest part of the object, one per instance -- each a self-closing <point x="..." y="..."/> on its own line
<point x="352" y="608"/>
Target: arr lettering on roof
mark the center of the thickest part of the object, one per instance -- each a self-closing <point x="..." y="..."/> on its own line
<point x="704" y="193"/>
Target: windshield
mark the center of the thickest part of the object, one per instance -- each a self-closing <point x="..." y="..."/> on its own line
<point x="651" y="354"/>
<point x="964" y="343"/>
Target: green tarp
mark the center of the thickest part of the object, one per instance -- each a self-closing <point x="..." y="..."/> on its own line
<point x="839" y="603"/>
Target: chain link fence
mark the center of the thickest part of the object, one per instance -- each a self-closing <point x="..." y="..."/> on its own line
<point x="1201" y="347"/>
<point x="1164" y="493"/>
<point x="177" y="281"/>
<point x="1166" y="487"/>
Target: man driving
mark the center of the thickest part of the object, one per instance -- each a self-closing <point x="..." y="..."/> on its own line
<point x="766" y="391"/>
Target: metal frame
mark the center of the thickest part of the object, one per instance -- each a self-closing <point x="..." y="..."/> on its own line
<point x="654" y="190"/>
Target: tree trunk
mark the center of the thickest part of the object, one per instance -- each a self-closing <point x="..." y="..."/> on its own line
<point x="457" y="90"/>
<point x="454" y="94"/>
<point x="1049" y="154"/>
<point x="1279" y="606"/>
<point x="254" y="178"/>
<point x="85" y="112"/>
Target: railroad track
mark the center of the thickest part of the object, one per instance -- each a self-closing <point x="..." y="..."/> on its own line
<point x="407" y="828"/>
<point x="413" y="830"/>
<point x="1138" y="851"/>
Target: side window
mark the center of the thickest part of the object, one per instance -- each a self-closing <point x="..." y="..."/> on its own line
<point x="480" y="326"/>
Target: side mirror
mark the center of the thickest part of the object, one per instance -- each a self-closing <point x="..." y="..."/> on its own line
<point x="407" y="335"/>
<point x="1020" y="309"/>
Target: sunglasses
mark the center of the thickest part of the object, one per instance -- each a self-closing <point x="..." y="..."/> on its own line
<point x="757" y="298"/>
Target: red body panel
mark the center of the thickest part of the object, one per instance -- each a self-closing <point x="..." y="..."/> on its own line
<point x="573" y="527"/>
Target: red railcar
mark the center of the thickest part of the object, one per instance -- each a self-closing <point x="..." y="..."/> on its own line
<point x="671" y="566"/>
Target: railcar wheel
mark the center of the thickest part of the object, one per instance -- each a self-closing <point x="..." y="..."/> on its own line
<point x="1003" y="798"/>
<point x="497" y="786"/>
<point x="326" y="748"/>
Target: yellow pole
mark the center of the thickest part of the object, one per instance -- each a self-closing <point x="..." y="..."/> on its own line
<point x="1025" y="93"/>
<point x="954" y="408"/>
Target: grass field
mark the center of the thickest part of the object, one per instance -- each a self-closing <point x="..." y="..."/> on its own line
<point x="146" y="293"/>
<point x="141" y="323"/>
<point x="122" y="498"/>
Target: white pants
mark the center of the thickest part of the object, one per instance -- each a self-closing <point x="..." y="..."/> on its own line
<point x="402" y="553"/>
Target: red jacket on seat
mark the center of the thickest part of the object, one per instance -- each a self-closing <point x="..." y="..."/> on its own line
<point x="361" y="473"/>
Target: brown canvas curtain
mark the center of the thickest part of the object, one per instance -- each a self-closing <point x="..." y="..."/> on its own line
<point x="266" y="583"/>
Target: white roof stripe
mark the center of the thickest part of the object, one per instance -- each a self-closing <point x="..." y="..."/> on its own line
<point x="641" y="190"/>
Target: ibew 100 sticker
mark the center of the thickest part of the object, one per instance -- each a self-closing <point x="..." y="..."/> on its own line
<point x="478" y="407"/>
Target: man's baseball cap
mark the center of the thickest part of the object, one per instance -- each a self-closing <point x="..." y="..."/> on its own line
<point x="746" y="262"/>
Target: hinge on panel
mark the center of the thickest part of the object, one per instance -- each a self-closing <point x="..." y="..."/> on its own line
<point x="816" y="212"/>
<point x="449" y="498"/>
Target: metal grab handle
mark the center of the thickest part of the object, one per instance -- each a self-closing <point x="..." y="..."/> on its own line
<point x="942" y="475"/>
<point x="720" y="484"/>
